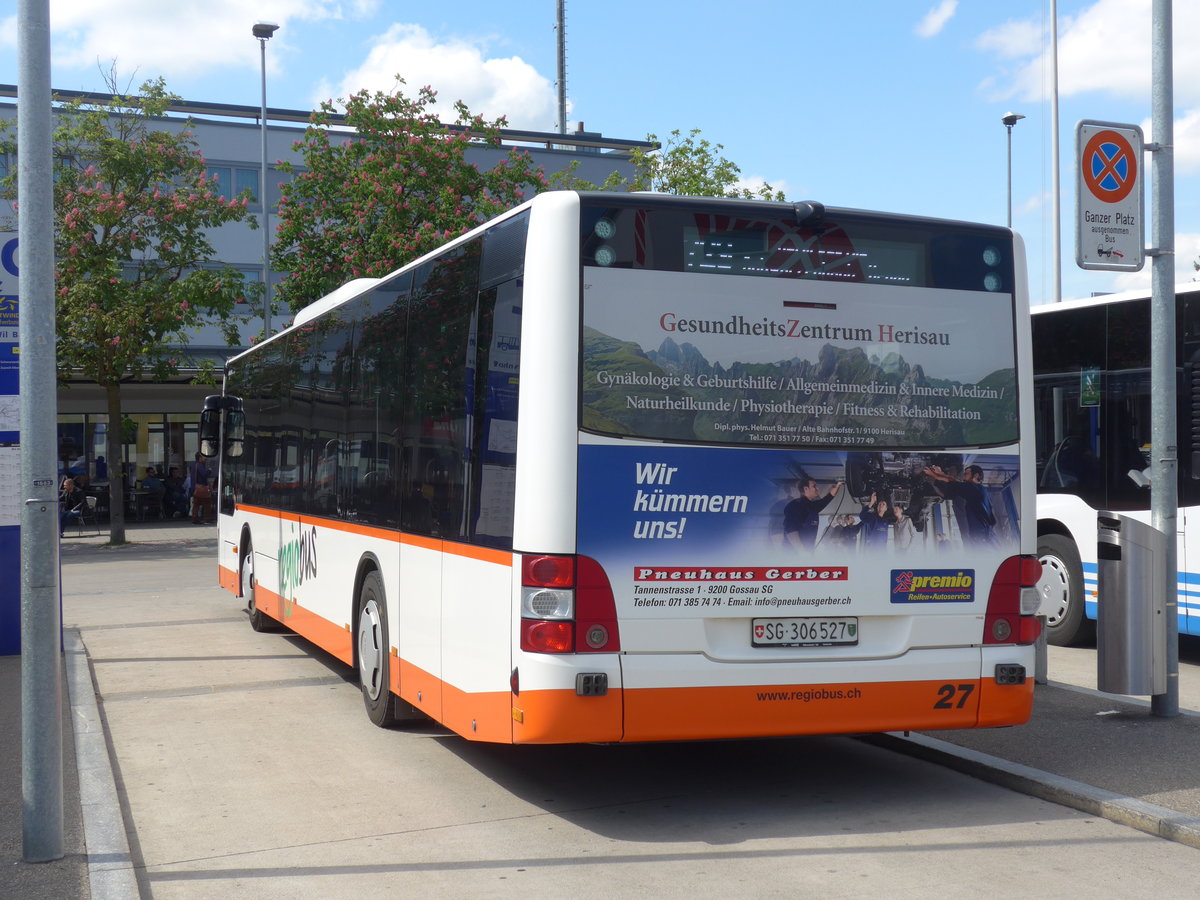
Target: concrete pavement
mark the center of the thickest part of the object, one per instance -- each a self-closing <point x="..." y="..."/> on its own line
<point x="175" y="666"/>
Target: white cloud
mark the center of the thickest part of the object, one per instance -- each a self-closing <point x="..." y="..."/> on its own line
<point x="935" y="20"/>
<point x="457" y="70"/>
<point x="1105" y="48"/>
<point x="755" y="183"/>
<point x="148" y="38"/>
<point x="1012" y="40"/>
<point x="1033" y="205"/>
<point x="1186" y="142"/>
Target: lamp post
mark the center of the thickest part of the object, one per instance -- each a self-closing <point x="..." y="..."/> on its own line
<point x="1009" y="120"/>
<point x="263" y="31"/>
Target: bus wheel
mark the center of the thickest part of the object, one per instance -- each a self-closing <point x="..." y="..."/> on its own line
<point x="259" y="620"/>
<point x="374" y="674"/>
<point x="1061" y="587"/>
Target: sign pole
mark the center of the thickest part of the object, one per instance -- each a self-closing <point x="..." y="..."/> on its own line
<point x="1164" y="492"/>
<point x="41" y="622"/>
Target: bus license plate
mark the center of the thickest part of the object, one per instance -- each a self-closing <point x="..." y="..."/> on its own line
<point x="816" y="631"/>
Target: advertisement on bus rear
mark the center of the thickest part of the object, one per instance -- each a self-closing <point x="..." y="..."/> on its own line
<point x="791" y="362"/>
<point x="739" y="531"/>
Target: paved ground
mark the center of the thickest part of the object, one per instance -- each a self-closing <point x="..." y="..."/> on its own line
<point x="69" y="877"/>
<point x="1101" y="754"/>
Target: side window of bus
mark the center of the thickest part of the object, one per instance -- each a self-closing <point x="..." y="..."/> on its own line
<point x="1188" y="407"/>
<point x="1126" y="411"/>
<point x="290" y="476"/>
<point x="264" y="410"/>
<point x="493" y="440"/>
<point x="370" y="371"/>
<point x="438" y="356"/>
<point x="1069" y="362"/>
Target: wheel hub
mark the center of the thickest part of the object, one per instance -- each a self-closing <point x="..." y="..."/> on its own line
<point x="1055" y="588"/>
<point x="371" y="658"/>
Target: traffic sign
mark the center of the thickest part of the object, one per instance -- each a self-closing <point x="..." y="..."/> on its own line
<point x="1110" y="231"/>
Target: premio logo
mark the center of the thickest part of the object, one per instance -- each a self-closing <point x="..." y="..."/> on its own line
<point x="933" y="585"/>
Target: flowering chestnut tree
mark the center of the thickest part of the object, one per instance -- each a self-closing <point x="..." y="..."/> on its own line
<point x="134" y="273"/>
<point x="363" y="204"/>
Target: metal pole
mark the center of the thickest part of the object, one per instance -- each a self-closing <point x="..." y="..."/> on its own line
<point x="1010" y="119"/>
<point x="266" y="213"/>
<point x="562" y="67"/>
<point x="41" y="620"/>
<point x="1164" y="493"/>
<point x="1009" y="127"/>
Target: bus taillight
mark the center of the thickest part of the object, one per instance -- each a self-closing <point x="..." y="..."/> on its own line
<point x="548" y="571"/>
<point x="547" y="636"/>
<point x="567" y="605"/>
<point x="1013" y="603"/>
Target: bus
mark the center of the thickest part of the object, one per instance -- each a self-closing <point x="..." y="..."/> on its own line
<point x="635" y="467"/>
<point x="1092" y="405"/>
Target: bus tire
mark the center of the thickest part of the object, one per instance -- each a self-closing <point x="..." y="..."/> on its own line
<point x="372" y="653"/>
<point x="259" y="620"/>
<point x="1061" y="587"/>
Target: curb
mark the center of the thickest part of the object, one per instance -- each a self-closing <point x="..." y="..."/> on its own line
<point x="1156" y="820"/>
<point x="110" y="864"/>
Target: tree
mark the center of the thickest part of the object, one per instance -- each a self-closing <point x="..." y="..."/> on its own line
<point x="134" y="275"/>
<point x="363" y="205"/>
<point x="688" y="166"/>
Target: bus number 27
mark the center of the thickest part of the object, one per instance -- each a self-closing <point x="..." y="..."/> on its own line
<point x="947" y="692"/>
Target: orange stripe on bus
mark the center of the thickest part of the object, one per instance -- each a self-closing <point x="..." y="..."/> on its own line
<point x="563" y="717"/>
<point x="479" y="716"/>
<point x="662" y="714"/>
<point x="228" y="579"/>
<point x="1004" y="704"/>
<point x="420" y="688"/>
<point x="332" y="638"/>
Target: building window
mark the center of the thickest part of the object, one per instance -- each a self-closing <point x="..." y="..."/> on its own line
<point x="232" y="180"/>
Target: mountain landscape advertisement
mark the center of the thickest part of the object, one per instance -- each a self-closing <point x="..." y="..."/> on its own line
<point x="844" y="396"/>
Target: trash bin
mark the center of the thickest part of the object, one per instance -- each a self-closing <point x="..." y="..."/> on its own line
<point x="1131" y="626"/>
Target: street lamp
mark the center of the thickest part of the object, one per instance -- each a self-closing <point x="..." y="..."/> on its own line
<point x="1009" y="120"/>
<point x="263" y="31"/>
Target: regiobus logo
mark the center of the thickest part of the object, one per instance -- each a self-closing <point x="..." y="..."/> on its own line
<point x="933" y="585"/>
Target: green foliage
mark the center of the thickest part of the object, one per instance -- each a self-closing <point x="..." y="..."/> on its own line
<point x="363" y="205"/>
<point x="688" y="166"/>
<point x="131" y="209"/>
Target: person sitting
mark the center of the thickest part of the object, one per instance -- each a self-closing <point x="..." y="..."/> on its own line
<point x="175" y="499"/>
<point x="70" y="504"/>
<point x="157" y="490"/>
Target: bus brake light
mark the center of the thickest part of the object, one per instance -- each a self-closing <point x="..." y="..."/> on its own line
<point x="548" y="571"/>
<point x="1007" y="620"/>
<point x="547" y="636"/>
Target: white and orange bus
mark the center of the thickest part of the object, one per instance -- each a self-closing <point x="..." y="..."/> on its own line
<point x="632" y="467"/>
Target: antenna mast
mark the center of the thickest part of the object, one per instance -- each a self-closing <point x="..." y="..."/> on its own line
<point x="562" y="66"/>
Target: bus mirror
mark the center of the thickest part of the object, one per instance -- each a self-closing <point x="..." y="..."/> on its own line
<point x="210" y="432"/>
<point x="235" y="432"/>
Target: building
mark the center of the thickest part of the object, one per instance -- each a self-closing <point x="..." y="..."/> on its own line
<point x="161" y="419"/>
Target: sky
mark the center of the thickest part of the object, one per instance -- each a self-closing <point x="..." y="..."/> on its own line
<point x="892" y="105"/>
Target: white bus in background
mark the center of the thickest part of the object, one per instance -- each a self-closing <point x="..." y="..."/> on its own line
<point x="565" y="479"/>
<point x="1092" y="413"/>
